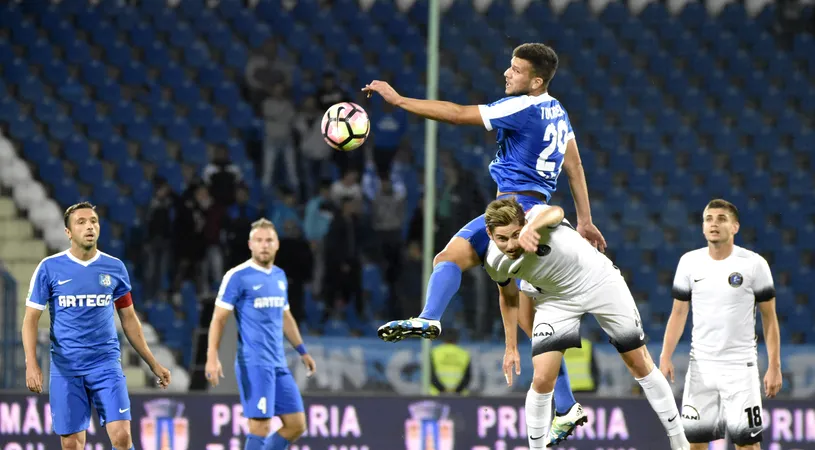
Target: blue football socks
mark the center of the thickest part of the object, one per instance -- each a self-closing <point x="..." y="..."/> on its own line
<point x="443" y="285"/>
<point x="564" y="399"/>
<point x="253" y="442"/>
<point x="276" y="442"/>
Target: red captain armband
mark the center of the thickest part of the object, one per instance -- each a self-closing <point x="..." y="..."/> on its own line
<point x="124" y="301"/>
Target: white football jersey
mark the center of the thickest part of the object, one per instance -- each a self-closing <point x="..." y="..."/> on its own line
<point x="723" y="296"/>
<point x="565" y="265"/>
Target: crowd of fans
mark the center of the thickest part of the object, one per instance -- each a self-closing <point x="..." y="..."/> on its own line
<point x="338" y="214"/>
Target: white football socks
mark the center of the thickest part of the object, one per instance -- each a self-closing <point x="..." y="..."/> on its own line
<point x="538" y="418"/>
<point x="659" y="395"/>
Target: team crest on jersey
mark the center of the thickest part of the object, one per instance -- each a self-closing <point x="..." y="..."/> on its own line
<point x="281" y="285"/>
<point x="735" y="279"/>
<point x="543" y="250"/>
<point x="104" y="280"/>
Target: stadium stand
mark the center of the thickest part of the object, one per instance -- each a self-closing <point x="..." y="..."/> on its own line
<point x="670" y="109"/>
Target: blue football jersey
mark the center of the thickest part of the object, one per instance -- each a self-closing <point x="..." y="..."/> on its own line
<point x="80" y="296"/>
<point x="258" y="296"/>
<point x="532" y="137"/>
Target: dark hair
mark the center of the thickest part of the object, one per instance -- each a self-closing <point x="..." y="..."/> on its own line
<point x="503" y="212"/>
<point x="543" y="59"/>
<point x="82" y="205"/>
<point x="719" y="203"/>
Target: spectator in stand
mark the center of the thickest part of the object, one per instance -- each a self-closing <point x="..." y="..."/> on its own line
<point x="266" y="67"/>
<point x="295" y="258"/>
<point x="158" y="248"/>
<point x="313" y="149"/>
<point x="237" y="224"/>
<point x="389" y="127"/>
<point x="347" y="187"/>
<point x="285" y="210"/>
<point x="278" y="112"/>
<point x="388" y="207"/>
<point x="330" y="92"/>
<point x="343" y="246"/>
<point x="319" y="214"/>
<point x="222" y="177"/>
<point x="188" y="235"/>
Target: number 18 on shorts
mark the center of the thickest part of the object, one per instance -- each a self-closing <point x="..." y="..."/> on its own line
<point x="721" y="398"/>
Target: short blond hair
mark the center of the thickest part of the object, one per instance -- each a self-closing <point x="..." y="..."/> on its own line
<point x="503" y="212"/>
<point x="262" y="223"/>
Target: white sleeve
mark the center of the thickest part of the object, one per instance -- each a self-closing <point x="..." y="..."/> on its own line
<point x="763" y="286"/>
<point x="681" y="289"/>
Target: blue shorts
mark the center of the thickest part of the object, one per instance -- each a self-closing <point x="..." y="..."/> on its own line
<point x="476" y="231"/>
<point x="71" y="398"/>
<point x="267" y="391"/>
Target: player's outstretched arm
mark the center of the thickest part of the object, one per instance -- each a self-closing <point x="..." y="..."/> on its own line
<point x="673" y="331"/>
<point x="429" y="109"/>
<point x="772" y="339"/>
<point x="292" y="333"/>
<point x="530" y="236"/>
<point x="131" y="325"/>
<point x="509" y="298"/>
<point x="213" y="369"/>
<point x="33" y="373"/>
<point x="580" y="193"/>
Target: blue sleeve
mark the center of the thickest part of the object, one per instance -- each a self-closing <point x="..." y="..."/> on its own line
<point x="569" y="130"/>
<point x="510" y="113"/>
<point x="39" y="291"/>
<point x="230" y="291"/>
<point x="283" y="280"/>
<point x="123" y="284"/>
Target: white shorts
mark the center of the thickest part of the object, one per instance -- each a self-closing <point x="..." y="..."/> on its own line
<point x="557" y="321"/>
<point x="721" y="397"/>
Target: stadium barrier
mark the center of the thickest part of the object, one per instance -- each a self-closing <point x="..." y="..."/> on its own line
<point x="215" y="422"/>
<point x="348" y="365"/>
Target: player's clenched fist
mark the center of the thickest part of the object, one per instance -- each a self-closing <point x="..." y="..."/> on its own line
<point x="163" y="375"/>
<point x="214" y="371"/>
<point x="311" y="366"/>
<point x="529" y="239"/>
<point x="384" y="89"/>
<point x="33" y="378"/>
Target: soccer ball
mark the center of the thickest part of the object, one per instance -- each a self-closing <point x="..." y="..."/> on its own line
<point x="345" y="126"/>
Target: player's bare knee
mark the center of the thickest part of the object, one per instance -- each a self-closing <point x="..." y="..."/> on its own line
<point x="120" y="438"/>
<point x="458" y="251"/>
<point x="73" y="441"/>
<point x="699" y="446"/>
<point x="260" y="427"/>
<point x="294" y="425"/>
<point x="756" y="446"/>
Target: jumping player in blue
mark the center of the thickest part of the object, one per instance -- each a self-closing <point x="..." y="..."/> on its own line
<point x="257" y="291"/>
<point x="535" y="142"/>
<point x="81" y="287"/>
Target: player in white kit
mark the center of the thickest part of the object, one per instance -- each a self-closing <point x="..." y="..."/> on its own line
<point x="723" y="282"/>
<point x="566" y="278"/>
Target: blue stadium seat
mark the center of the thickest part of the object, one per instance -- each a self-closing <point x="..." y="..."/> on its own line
<point x="194" y="152"/>
<point x="66" y="192"/>
<point x="187" y="94"/>
<point x="90" y="171"/>
<point x="130" y="173"/>
<point x="171" y="172"/>
<point x="114" y="149"/>
<point x="99" y="128"/>
<point x="105" y="193"/>
<point x="60" y="127"/>
<point x="21" y="127"/>
<point x="179" y="130"/>
<point x="123" y="212"/>
<point x="142" y="193"/>
<point x="216" y="133"/>
<point x="77" y="149"/>
<point x="181" y="35"/>
<point x="31" y="89"/>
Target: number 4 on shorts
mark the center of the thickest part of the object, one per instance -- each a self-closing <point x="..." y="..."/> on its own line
<point x="262" y="405"/>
